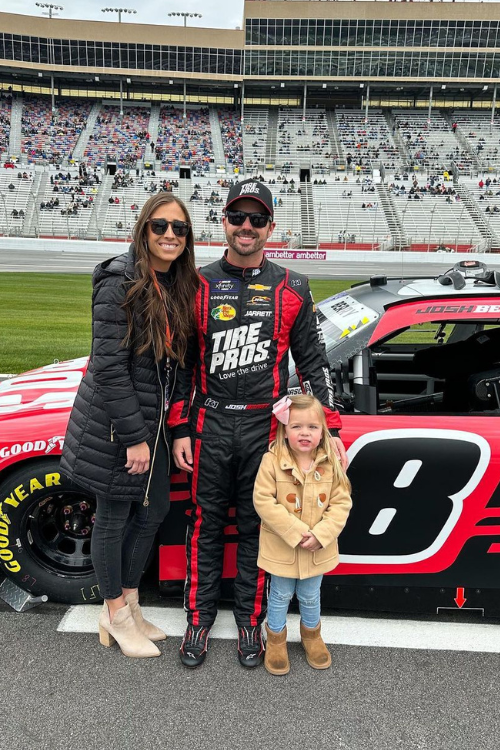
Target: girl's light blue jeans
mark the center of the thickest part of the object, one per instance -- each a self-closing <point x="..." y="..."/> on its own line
<point x="280" y="594"/>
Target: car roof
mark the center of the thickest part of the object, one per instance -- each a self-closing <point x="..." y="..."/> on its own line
<point x="350" y="318"/>
<point x="378" y="294"/>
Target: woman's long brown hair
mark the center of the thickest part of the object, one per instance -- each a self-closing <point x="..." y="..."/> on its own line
<point x="144" y="301"/>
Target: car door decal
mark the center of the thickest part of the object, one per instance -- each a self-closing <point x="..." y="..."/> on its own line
<point x="410" y="488"/>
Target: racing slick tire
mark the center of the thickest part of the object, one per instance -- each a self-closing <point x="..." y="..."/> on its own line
<point x="46" y="524"/>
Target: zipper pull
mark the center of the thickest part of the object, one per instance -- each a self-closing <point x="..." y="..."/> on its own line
<point x="112" y="434"/>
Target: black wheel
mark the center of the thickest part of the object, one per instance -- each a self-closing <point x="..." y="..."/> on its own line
<point x="45" y="529"/>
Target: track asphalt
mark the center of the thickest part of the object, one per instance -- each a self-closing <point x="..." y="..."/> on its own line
<point x="63" y="691"/>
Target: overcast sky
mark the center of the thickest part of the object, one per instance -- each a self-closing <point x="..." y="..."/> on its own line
<point x="221" y="14"/>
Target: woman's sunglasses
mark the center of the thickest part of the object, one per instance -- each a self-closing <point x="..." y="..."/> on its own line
<point x="237" y="218"/>
<point x="160" y="226"/>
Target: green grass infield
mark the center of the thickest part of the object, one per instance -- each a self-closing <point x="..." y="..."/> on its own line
<point x="46" y="317"/>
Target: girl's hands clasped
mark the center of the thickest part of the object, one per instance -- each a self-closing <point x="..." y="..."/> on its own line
<point x="138" y="458"/>
<point x="309" y="542"/>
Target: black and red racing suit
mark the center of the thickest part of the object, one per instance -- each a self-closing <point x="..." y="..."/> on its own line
<point x="247" y="321"/>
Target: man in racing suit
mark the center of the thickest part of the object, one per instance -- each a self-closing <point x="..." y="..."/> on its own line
<point x="249" y="314"/>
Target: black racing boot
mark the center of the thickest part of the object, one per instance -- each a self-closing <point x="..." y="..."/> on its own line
<point x="194" y="645"/>
<point x="250" y="646"/>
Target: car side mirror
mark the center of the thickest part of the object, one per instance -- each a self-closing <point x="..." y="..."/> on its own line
<point x="365" y="383"/>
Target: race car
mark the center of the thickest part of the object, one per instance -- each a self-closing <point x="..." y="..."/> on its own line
<point x="416" y="368"/>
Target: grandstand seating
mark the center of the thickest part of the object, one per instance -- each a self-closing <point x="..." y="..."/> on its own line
<point x="432" y="145"/>
<point x="487" y="198"/>
<point x="338" y="210"/>
<point x="185" y="141"/>
<point x="302" y="141"/>
<point x="5" y="112"/>
<point x="435" y="218"/>
<point x="15" y="197"/>
<point x="367" y="144"/>
<point x="65" y="206"/>
<point x="122" y="139"/>
<point x="232" y="140"/>
<point x="50" y="137"/>
<point x="482" y="136"/>
<point x="255" y="138"/>
<point x="349" y="211"/>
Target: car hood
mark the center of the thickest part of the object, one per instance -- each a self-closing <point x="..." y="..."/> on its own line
<point x="46" y="389"/>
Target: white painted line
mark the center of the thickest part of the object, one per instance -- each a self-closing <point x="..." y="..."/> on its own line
<point x="346" y="631"/>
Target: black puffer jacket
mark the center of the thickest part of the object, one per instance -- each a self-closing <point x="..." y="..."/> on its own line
<point x="119" y="402"/>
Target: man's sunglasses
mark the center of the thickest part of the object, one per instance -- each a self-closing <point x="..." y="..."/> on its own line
<point x="237" y="218"/>
<point x="160" y="226"/>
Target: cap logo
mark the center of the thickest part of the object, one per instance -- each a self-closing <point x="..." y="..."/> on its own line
<point x="250" y="187"/>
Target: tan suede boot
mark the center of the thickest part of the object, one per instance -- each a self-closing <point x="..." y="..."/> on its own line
<point x="317" y="654"/>
<point x="125" y="632"/>
<point x="147" y="628"/>
<point x="276" y="656"/>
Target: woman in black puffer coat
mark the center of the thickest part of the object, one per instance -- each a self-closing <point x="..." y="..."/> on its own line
<point x="116" y="444"/>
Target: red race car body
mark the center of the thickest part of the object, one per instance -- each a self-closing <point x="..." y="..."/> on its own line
<point x="417" y="378"/>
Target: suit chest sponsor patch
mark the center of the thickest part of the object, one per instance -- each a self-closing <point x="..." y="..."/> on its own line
<point x="225" y="286"/>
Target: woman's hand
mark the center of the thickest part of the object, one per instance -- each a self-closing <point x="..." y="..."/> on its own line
<point x="183" y="455"/>
<point x="138" y="458"/>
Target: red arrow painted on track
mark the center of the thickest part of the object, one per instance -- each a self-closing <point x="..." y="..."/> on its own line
<point x="460" y="598"/>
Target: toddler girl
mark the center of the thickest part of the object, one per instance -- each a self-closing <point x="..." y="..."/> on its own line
<point x="303" y="498"/>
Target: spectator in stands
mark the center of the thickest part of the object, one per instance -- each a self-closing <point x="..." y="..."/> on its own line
<point x="123" y="400"/>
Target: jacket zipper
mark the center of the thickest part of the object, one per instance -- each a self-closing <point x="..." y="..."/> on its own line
<point x="146" y="498"/>
<point x="163" y="422"/>
<point x="112" y="434"/>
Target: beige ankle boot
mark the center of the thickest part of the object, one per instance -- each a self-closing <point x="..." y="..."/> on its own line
<point x="317" y="654"/>
<point x="125" y="632"/>
<point x="147" y="628"/>
<point x="276" y="656"/>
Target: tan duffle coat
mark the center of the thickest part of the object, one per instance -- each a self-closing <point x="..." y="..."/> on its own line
<point x="290" y="503"/>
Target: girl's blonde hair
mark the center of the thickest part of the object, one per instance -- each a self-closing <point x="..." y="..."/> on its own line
<point x="280" y="445"/>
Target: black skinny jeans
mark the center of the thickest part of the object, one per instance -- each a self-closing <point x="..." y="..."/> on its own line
<point x="123" y="534"/>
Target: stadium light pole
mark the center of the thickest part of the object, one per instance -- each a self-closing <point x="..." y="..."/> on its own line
<point x="347" y="224"/>
<point x="50" y="9"/>
<point x="2" y="196"/>
<point x="320" y="207"/>
<point x="185" y="15"/>
<point x="458" y="227"/>
<point x="132" y="11"/>
<point x="374" y="225"/>
<point x="430" y="228"/>
<point x="367" y="103"/>
<point x="242" y="116"/>
<point x="493" y="106"/>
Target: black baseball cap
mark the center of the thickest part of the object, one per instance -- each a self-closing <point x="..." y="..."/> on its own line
<point x="251" y="189"/>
